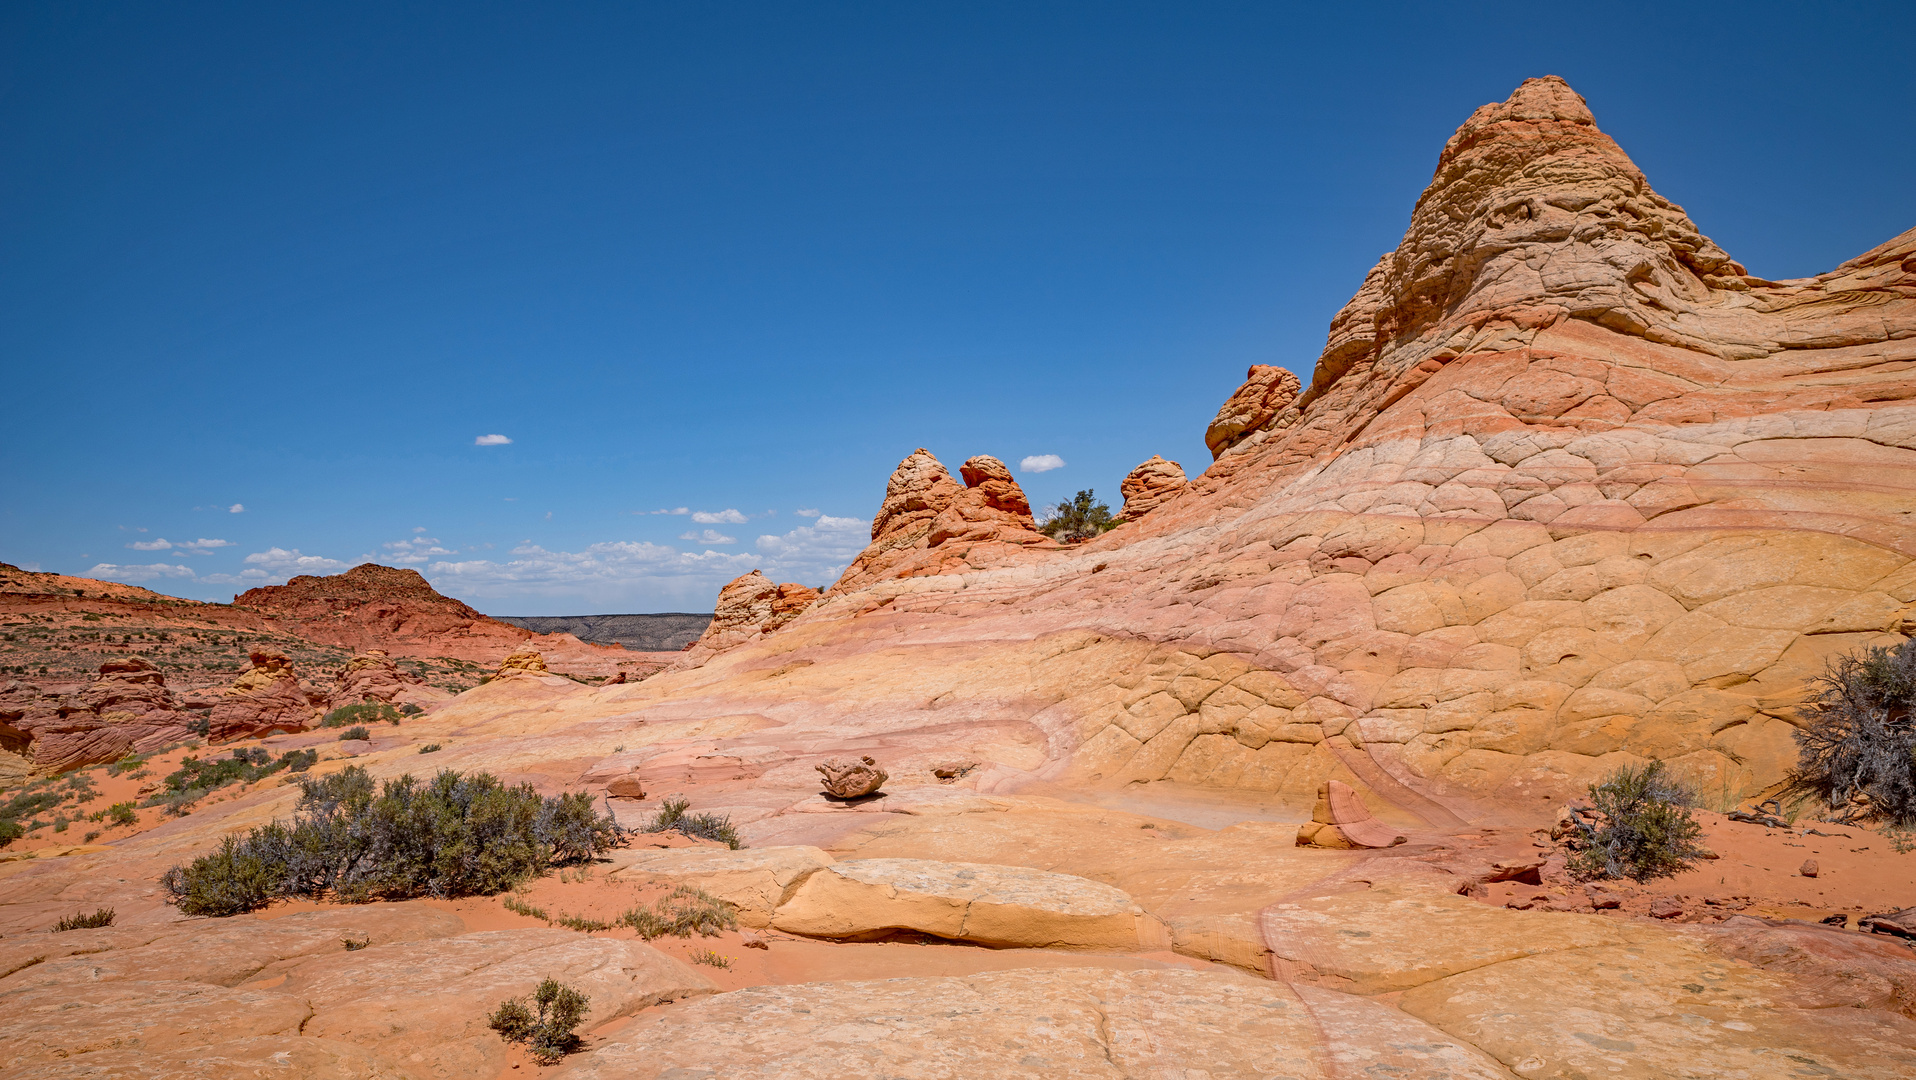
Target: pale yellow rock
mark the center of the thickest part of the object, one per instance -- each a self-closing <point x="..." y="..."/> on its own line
<point x="266" y="1057"/>
<point x="1059" y="1024"/>
<point x="1658" y="1010"/>
<point x="994" y="905"/>
<point x="753" y="880"/>
<point x="43" y="1024"/>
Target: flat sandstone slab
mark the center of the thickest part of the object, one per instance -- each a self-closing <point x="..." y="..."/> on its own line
<point x="754" y="880"/>
<point x="989" y="904"/>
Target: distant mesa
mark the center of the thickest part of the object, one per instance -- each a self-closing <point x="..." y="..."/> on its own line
<point x="668" y="631"/>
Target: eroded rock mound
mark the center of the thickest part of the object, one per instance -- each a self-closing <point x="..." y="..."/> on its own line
<point x="126" y="709"/>
<point x="265" y="698"/>
<point x="749" y="606"/>
<point x="985" y="521"/>
<point x="1340" y="820"/>
<point x="852" y="779"/>
<point x="992" y="507"/>
<point x="1266" y="393"/>
<point x="1151" y="483"/>
<point x="383" y="607"/>
<point x="524" y="662"/>
<point x="371" y="676"/>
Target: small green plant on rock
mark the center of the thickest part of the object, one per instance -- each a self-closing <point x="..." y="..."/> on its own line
<point x="1642" y="827"/>
<point x="1856" y="747"/>
<point x="82" y="921"/>
<point x="681" y="913"/>
<point x="543" y="1024"/>
<point x="431" y="748"/>
<point x="1078" y="518"/>
<point x="368" y="713"/>
<point x="354" y="733"/>
<point x="711" y="959"/>
<point x="672" y="815"/>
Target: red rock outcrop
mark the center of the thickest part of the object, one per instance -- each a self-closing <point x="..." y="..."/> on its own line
<point x="991" y="508"/>
<point x="265" y="698"/>
<point x="1149" y="484"/>
<point x="373" y="606"/>
<point x="524" y="662"/>
<point x="1267" y="392"/>
<point x="126" y="709"/>
<point x="749" y="606"/>
<point x="984" y="522"/>
<point x="373" y="676"/>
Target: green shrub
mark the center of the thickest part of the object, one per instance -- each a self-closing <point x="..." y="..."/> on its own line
<point x="1856" y="747"/>
<point x="353" y="733"/>
<point x="196" y="778"/>
<point x="672" y="815"/>
<point x="546" y="1032"/>
<point x="1079" y="518"/>
<point x="123" y="813"/>
<point x="682" y="913"/>
<point x="1643" y="828"/>
<point x="430" y="748"/>
<point x="457" y="835"/>
<point x="9" y="832"/>
<point x="371" y="712"/>
<point x="81" y="921"/>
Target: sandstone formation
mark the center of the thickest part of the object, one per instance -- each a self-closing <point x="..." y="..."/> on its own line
<point x="1340" y="820"/>
<point x="373" y="676"/>
<point x="265" y="698"/>
<point x="755" y="881"/>
<point x="993" y="905"/>
<point x="1267" y="392"/>
<point x="1149" y="484"/>
<point x="851" y="779"/>
<point x="749" y="606"/>
<point x="524" y="662"/>
<point x="126" y="709"/>
<point x="925" y="509"/>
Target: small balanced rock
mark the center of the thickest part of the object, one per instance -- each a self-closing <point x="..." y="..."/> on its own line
<point x="850" y="780"/>
<point x="1809" y="868"/>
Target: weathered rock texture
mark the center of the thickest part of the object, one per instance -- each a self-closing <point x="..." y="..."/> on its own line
<point x="1568" y="490"/>
<point x="373" y="676"/>
<point x="127" y="709"/>
<point x="852" y="779"/>
<point x="265" y="698"/>
<point x="1340" y="820"/>
<point x="924" y="508"/>
<point x="524" y="662"/>
<point x="1149" y="484"/>
<point x="750" y="606"/>
<point x="1266" y="393"/>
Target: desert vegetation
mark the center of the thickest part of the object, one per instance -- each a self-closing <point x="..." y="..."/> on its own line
<point x="544" y="1022"/>
<point x="80" y="920"/>
<point x="1080" y="517"/>
<point x="1857" y="743"/>
<point x="672" y="815"/>
<point x="197" y="777"/>
<point x="354" y="840"/>
<point x="1638" y="826"/>
<point x="681" y="913"/>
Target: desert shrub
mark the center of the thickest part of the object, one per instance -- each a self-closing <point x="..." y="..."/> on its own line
<point x="546" y="1028"/>
<point x="126" y="764"/>
<point x="83" y="921"/>
<point x="1078" y="518"/>
<point x="1856" y="748"/>
<point x="456" y="835"/>
<point x="371" y="712"/>
<point x="353" y="733"/>
<point x="1643" y="827"/>
<point x="682" y="913"/>
<point x="672" y="815"/>
<point x="196" y="777"/>
<point x="352" y="944"/>
<point x="123" y="813"/>
<point x="711" y="959"/>
<point x="430" y="748"/>
<point x="9" y="832"/>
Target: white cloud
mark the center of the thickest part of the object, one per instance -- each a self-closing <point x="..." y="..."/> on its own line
<point x="236" y="508"/>
<point x="491" y="440"/>
<point x="806" y="513"/>
<point x="709" y="536"/>
<point x="1041" y="463"/>
<point x="161" y="544"/>
<point x="148" y="572"/>
<point x="287" y="563"/>
<point x="203" y="546"/>
<point x="674" y="510"/>
<point x="723" y="517"/>
<point x="419" y="549"/>
<point x="606" y="566"/>
<point x="418" y="528"/>
<point x="817" y="553"/>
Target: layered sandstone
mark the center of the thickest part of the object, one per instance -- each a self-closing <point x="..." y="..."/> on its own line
<point x="749" y="607"/>
<point x="1266" y="393"/>
<point x="373" y="606"/>
<point x="125" y="710"/>
<point x="928" y="524"/>
<point x="1569" y="490"/>
<point x="1150" y="484"/>
<point x="375" y="677"/>
<point x="266" y="697"/>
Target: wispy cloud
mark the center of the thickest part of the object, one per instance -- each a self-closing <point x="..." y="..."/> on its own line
<point x="491" y="440"/>
<point x="236" y="508"/>
<point x="411" y="552"/>
<point x="281" y="561"/>
<point x="1041" y="463"/>
<point x="674" y="510"/>
<point x="137" y="574"/>
<point x="709" y="536"/>
<point x="161" y="544"/>
<point x="201" y="546"/>
<point x="807" y="513"/>
<point x="727" y="516"/>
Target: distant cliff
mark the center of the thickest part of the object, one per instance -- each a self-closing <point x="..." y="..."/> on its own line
<point x="662" y="632"/>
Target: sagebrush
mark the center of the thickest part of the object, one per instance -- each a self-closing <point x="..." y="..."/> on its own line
<point x="355" y="841"/>
<point x="546" y="1027"/>
<point x="1642" y="828"/>
<point x="1856" y="747"/>
<point x="672" y="816"/>
<point x="1080" y="517"/>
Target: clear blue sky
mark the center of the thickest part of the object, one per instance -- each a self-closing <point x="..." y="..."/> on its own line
<point x="741" y="258"/>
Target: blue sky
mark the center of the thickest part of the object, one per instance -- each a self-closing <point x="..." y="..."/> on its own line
<point x="267" y="272"/>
